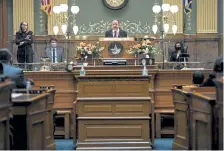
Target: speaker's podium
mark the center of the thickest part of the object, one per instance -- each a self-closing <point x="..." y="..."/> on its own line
<point x="116" y="47"/>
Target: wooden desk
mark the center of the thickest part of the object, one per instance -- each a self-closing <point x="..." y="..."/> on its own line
<point x="159" y="87"/>
<point x="182" y="116"/>
<point x="5" y="113"/>
<point x="113" y="112"/>
<point x="219" y="110"/>
<point x="29" y="121"/>
<point x="50" y="144"/>
<point x="201" y="108"/>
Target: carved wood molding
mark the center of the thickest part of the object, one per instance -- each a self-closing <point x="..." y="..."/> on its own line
<point x="112" y="98"/>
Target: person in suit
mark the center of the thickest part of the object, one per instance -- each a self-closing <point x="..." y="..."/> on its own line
<point x="217" y="69"/>
<point x="175" y="55"/>
<point x="24" y="40"/>
<point x="116" y="32"/>
<point x="54" y="53"/>
<point x="16" y="74"/>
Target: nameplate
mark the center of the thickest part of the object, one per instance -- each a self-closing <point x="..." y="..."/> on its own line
<point x="47" y="87"/>
<point x="24" y="91"/>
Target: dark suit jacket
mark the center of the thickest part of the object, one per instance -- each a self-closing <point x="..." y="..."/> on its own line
<point x="173" y="58"/>
<point x="16" y="74"/>
<point x="60" y="53"/>
<point x="25" y="49"/>
<point x="121" y="33"/>
<point x="209" y="82"/>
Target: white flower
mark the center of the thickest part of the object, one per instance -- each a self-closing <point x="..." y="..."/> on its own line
<point x="146" y="50"/>
<point x="86" y="48"/>
<point x="89" y="52"/>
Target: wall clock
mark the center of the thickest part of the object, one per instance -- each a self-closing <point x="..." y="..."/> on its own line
<point x="115" y="4"/>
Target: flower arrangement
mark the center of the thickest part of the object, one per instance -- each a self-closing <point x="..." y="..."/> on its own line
<point x="85" y="50"/>
<point x="145" y="47"/>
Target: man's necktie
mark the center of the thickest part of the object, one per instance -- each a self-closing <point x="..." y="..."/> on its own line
<point x="115" y="33"/>
<point x="54" y="55"/>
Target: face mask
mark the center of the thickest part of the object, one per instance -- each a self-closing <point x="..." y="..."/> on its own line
<point x="54" y="44"/>
<point x="178" y="48"/>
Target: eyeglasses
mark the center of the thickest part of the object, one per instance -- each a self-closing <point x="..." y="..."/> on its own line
<point x="24" y="25"/>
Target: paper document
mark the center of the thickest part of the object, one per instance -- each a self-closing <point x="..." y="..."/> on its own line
<point x="15" y="95"/>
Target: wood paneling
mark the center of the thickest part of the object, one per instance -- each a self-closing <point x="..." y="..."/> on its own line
<point x="201" y="108"/>
<point x="136" y="130"/>
<point x="5" y="113"/>
<point x="102" y="107"/>
<point x="30" y="112"/>
<point x="113" y="89"/>
<point x="119" y="119"/>
<point x="207" y="16"/>
<point x="193" y="118"/>
<point x="3" y="24"/>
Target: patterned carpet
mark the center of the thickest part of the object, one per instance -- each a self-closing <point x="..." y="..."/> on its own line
<point x="160" y="144"/>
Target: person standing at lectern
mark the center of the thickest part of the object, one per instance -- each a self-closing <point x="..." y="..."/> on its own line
<point x="54" y="53"/>
<point x="24" y="40"/>
<point x="116" y="32"/>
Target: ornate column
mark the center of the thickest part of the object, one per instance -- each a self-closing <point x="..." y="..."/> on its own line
<point x="23" y="10"/>
<point x="207" y="16"/>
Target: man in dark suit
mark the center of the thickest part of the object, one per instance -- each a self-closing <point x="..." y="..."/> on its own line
<point x="54" y="53"/>
<point x="116" y="32"/>
<point x="16" y="74"/>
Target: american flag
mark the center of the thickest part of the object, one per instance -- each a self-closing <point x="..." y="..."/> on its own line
<point x="187" y="6"/>
<point x="46" y="6"/>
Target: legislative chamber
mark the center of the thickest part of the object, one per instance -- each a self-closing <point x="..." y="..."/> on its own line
<point x="111" y="75"/>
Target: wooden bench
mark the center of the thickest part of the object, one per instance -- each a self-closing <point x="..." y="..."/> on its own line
<point x="188" y="102"/>
<point x="29" y="120"/>
<point x="66" y="115"/>
<point x="5" y="113"/>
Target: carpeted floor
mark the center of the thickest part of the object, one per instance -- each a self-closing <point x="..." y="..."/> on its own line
<point x="160" y="144"/>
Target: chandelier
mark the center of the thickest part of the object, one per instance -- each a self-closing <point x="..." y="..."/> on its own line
<point x="63" y="18"/>
<point x="164" y="16"/>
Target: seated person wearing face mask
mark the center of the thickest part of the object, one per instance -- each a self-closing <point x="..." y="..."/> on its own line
<point x="175" y="56"/>
<point x="54" y="53"/>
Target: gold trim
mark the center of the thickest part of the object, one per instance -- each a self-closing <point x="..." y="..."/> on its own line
<point x="178" y="15"/>
<point x="52" y="19"/>
<point x="23" y="10"/>
<point x="207" y="16"/>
